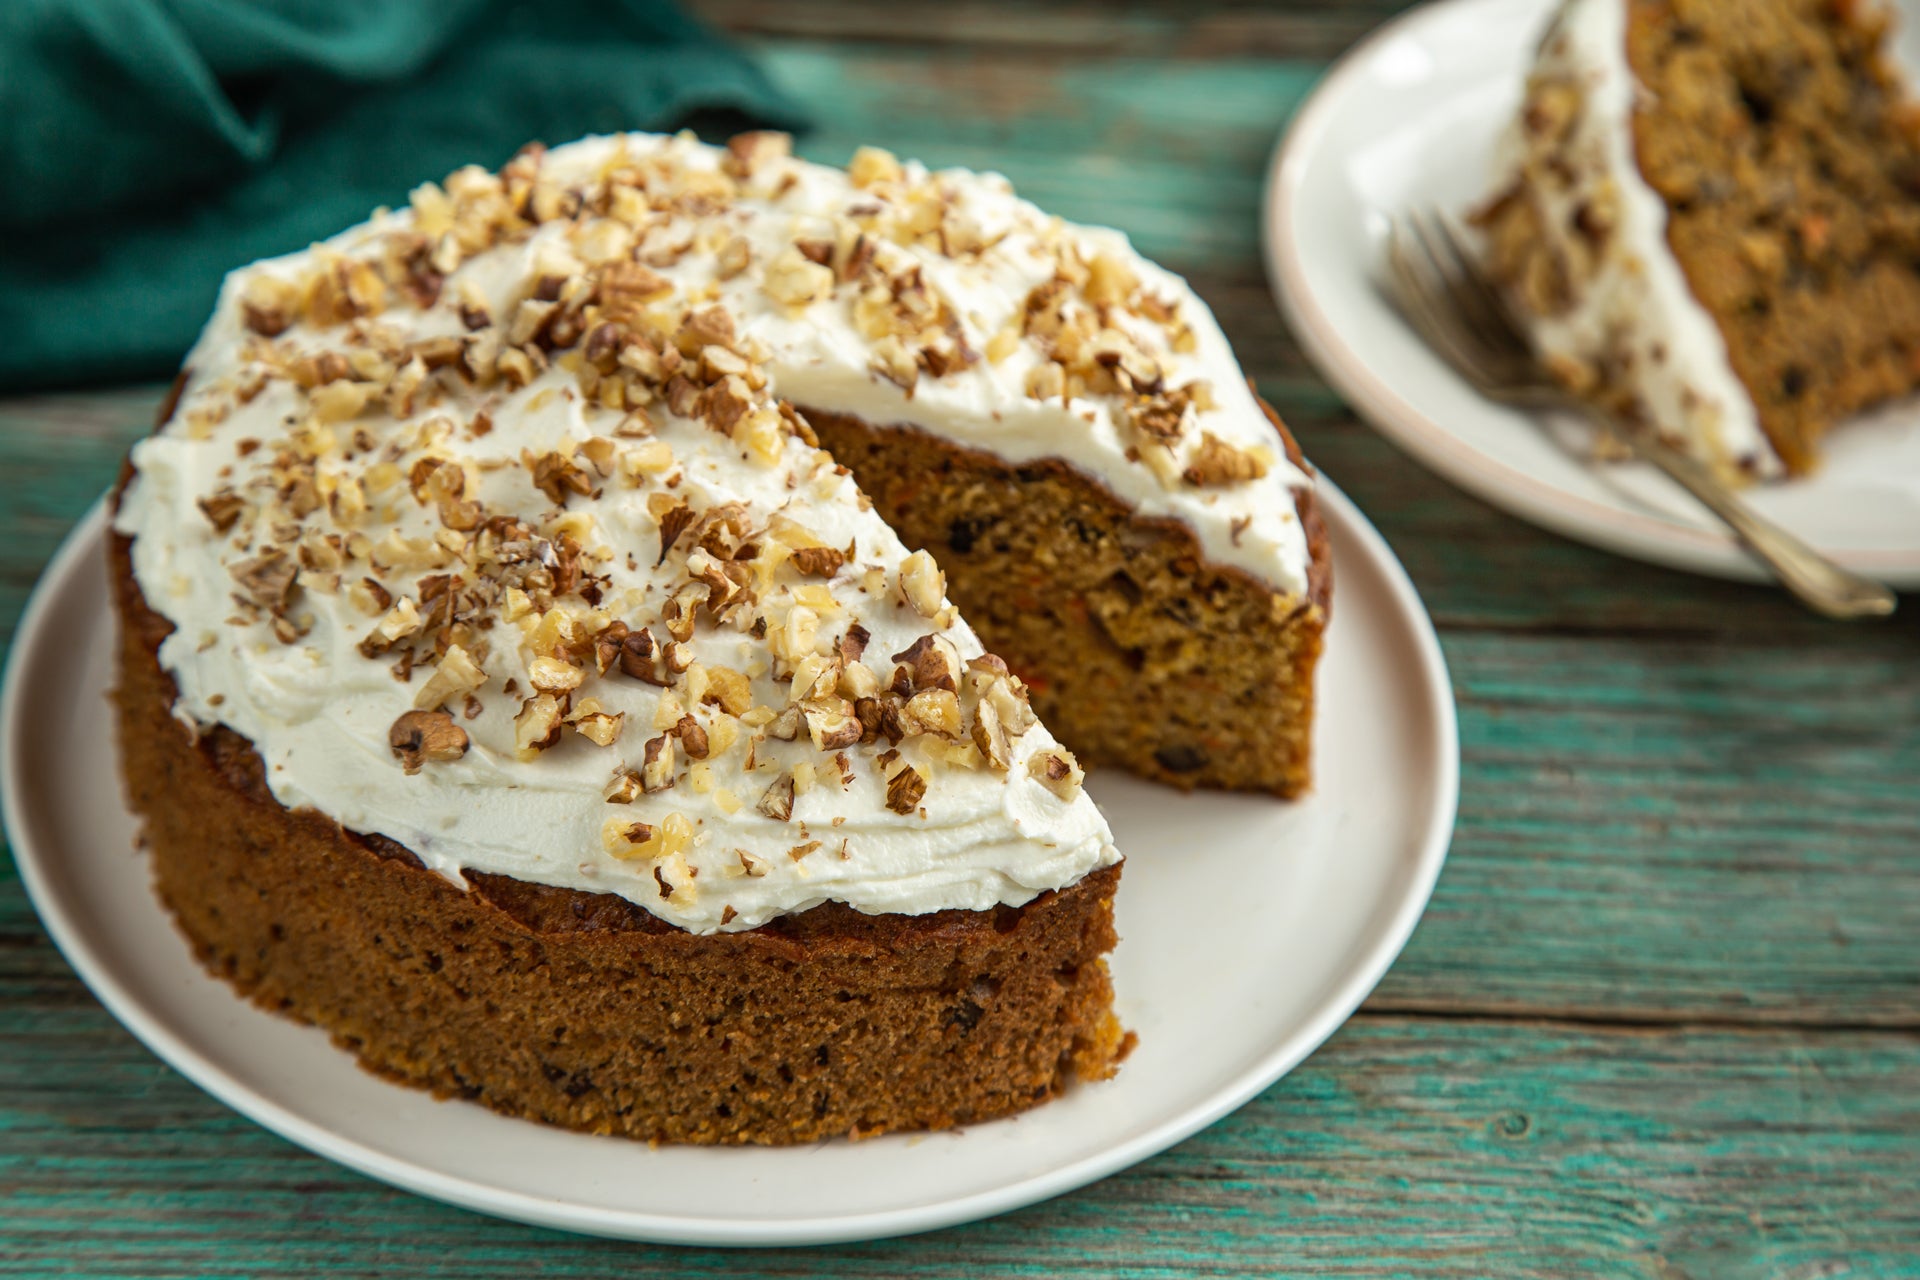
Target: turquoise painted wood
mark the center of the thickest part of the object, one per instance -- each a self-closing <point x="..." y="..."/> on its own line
<point x="1659" y="1022"/>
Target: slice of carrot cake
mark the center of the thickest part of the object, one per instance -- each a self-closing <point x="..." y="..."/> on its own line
<point x="1710" y="210"/>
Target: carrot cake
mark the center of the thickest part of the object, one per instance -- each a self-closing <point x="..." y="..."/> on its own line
<point x="513" y="685"/>
<point x="1709" y="211"/>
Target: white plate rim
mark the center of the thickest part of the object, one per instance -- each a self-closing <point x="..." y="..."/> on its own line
<point x="1641" y="535"/>
<point x="1346" y="523"/>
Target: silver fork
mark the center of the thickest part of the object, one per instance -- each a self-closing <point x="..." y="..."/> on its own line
<point x="1439" y="287"/>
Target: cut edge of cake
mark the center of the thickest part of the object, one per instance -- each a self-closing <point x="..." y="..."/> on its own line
<point x="1692" y="251"/>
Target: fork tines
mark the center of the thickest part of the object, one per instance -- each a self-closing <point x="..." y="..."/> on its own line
<point x="1445" y="296"/>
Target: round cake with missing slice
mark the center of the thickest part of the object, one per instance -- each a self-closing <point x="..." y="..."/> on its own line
<point x="546" y="654"/>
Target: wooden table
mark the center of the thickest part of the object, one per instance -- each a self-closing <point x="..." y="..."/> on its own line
<point x="1662" y="1019"/>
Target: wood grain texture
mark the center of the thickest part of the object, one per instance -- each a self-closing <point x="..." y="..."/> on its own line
<point x="1406" y="1147"/>
<point x="1660" y="1021"/>
<point x="1165" y="29"/>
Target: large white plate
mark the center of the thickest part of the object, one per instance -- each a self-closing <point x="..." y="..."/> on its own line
<point x="1410" y="116"/>
<point x="1251" y="929"/>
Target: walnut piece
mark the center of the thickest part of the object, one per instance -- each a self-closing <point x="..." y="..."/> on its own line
<point x="818" y="562"/>
<point x="419" y="737"/>
<point x="871" y="166"/>
<point x="456" y="676"/>
<point x="1058" y="772"/>
<point x="777" y="803"/>
<point x="905" y="789"/>
<point x="692" y="737"/>
<point x="595" y="723"/>
<point x="1216" y="462"/>
<point x="539" y="725"/>
<point x="656" y="768"/>
<point x="223" y="509"/>
<point x="922" y="583"/>
<point x="932" y="663"/>
<point x="748" y="153"/>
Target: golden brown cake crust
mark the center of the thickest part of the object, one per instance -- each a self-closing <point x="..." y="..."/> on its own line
<point x="584" y="1010"/>
<point x="1139" y="652"/>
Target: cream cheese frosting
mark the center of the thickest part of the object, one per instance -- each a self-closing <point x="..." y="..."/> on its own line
<point x="1632" y="313"/>
<point x="491" y="525"/>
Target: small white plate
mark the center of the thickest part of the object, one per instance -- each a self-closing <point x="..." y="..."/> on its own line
<point x="1251" y="929"/>
<point x="1410" y="116"/>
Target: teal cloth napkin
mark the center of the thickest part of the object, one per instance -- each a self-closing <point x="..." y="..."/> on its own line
<point x="149" y="146"/>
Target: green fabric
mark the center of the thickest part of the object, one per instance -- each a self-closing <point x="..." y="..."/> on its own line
<point x="149" y="146"/>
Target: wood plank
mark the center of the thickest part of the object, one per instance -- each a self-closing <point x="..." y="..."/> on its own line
<point x="1677" y="828"/>
<point x="1432" y="1148"/>
<point x="57" y="454"/>
<point x="1168" y="28"/>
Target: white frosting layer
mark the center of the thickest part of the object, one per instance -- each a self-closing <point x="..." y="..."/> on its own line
<point x="820" y="360"/>
<point x="301" y="686"/>
<point x="318" y="712"/>
<point x="1634" y="315"/>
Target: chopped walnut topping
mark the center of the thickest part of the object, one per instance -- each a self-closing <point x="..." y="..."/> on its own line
<point x="554" y="675"/>
<point x="419" y="737"/>
<point x="871" y="166"/>
<point x="657" y="765"/>
<point x="378" y="412"/>
<point x="922" y="584"/>
<point x="794" y="281"/>
<point x="625" y="838"/>
<point x="1057" y="771"/>
<point x="749" y="153"/>
<point x="1010" y="703"/>
<point x="932" y="663"/>
<point x="267" y="580"/>
<point x="455" y="676"/>
<point x="692" y="736"/>
<point x="1109" y="281"/>
<point x="777" y="802"/>
<point x="854" y="643"/>
<point x="370" y="597"/>
<point x="730" y="689"/>
<point x="935" y="711"/>
<point x="905" y="789"/>
<point x="674" y="517"/>
<point x="223" y="509"/>
<point x="989" y="734"/>
<point x="595" y="723"/>
<point x="1216" y="462"/>
<point x="270" y="305"/>
<point x="629" y="840"/>
<point x="346" y="290"/>
<point x="559" y="478"/>
<point x="895" y="361"/>
<point x="539" y="725"/>
<point x="708" y="327"/>
<point x="640" y="658"/>
<point x="833" y="726"/>
<point x="818" y="562"/>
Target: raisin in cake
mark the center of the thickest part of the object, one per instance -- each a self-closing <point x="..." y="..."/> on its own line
<point x="1710" y="213"/>
<point x="513" y="685"/>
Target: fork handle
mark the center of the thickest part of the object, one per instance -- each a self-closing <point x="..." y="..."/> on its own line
<point x="1815" y="580"/>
